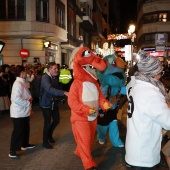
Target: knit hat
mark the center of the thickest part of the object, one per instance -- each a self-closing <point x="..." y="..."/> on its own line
<point x="148" y="65"/>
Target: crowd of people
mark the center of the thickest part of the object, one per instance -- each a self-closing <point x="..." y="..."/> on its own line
<point x="20" y="87"/>
<point x="148" y="107"/>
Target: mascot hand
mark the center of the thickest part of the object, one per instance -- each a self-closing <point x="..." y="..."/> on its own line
<point x="91" y="111"/>
<point x="106" y="106"/>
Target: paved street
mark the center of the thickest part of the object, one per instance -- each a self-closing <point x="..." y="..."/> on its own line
<point x="61" y="157"/>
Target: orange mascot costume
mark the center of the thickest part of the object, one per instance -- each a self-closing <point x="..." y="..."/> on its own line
<point x="85" y="98"/>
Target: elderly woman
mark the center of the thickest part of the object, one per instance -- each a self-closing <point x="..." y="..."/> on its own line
<point x="20" y="113"/>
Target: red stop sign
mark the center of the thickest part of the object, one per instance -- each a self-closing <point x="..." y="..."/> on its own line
<point x="24" y="53"/>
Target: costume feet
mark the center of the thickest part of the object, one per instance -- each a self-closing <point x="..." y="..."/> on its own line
<point x="101" y="143"/>
<point x="121" y="146"/>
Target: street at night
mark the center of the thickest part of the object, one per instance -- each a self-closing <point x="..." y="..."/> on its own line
<point x="61" y="157"/>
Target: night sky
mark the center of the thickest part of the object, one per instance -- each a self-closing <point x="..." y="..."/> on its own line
<point x="122" y="12"/>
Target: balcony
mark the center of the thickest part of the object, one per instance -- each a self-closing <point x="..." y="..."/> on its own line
<point x="88" y="24"/>
<point x="71" y="43"/>
<point x="73" y="5"/>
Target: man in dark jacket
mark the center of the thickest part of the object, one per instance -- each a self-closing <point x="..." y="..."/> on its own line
<point x="48" y="101"/>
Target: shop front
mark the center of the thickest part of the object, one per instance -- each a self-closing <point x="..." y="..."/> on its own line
<point x="51" y="52"/>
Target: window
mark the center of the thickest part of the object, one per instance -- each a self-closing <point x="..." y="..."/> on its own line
<point x="149" y="38"/>
<point x="60" y="14"/>
<point x="151" y="18"/>
<point x="12" y="10"/>
<point x="42" y="10"/>
<point x="156" y="17"/>
<point x="83" y="8"/>
<point x="163" y="17"/>
<point x="86" y="9"/>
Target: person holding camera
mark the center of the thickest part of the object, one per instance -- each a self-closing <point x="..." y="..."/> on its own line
<point x="50" y="95"/>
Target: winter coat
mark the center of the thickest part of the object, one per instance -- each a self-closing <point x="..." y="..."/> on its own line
<point x="49" y="89"/>
<point x="20" y="104"/>
<point x="148" y="113"/>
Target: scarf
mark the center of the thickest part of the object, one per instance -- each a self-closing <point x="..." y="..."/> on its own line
<point x="153" y="81"/>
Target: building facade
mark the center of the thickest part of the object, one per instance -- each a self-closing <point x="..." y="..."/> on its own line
<point x="101" y="22"/>
<point x="153" y="19"/>
<point x="79" y="27"/>
<point x="49" y="29"/>
<point x="36" y="25"/>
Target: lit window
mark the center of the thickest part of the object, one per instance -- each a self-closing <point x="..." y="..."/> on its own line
<point x="163" y="17"/>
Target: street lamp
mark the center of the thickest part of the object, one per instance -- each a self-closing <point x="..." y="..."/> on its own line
<point x="131" y="30"/>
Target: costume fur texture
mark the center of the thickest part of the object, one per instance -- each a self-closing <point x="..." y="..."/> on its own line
<point x="85" y="98"/>
<point x="112" y="81"/>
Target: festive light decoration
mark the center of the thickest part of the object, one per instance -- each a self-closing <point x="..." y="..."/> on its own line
<point x="120" y="36"/>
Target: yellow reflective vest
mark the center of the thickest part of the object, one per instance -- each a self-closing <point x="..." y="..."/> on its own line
<point x="65" y="76"/>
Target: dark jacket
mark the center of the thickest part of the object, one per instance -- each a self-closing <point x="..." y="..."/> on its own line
<point x="49" y="89"/>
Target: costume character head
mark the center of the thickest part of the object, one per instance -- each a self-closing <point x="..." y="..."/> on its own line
<point x="113" y="76"/>
<point x="84" y="63"/>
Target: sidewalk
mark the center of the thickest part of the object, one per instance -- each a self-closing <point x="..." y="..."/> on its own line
<point x="61" y="157"/>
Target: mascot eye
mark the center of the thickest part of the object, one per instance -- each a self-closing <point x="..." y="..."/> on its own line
<point x="86" y="53"/>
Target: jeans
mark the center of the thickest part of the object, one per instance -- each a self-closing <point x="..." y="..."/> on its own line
<point x="49" y="126"/>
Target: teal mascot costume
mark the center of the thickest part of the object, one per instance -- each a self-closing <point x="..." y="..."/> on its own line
<point x="112" y="81"/>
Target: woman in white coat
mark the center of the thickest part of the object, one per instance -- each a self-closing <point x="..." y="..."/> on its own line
<point x="20" y="110"/>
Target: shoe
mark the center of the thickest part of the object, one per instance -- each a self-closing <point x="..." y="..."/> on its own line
<point x="30" y="146"/>
<point x="51" y="140"/>
<point x="47" y="146"/>
<point x="92" y="168"/>
<point x="101" y="143"/>
<point x="13" y="155"/>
